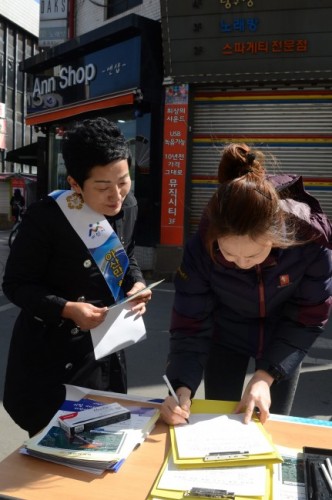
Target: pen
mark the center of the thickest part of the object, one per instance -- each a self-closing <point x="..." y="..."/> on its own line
<point x="308" y="479"/>
<point x="101" y="431"/>
<point x="171" y="390"/>
<point x="329" y="466"/>
<point x="326" y="475"/>
<point x="81" y="438"/>
<point x="115" y="467"/>
<point x="314" y="482"/>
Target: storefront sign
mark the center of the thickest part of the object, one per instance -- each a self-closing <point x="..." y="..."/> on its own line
<point x="94" y="75"/>
<point x="174" y="165"/>
<point x="53" y="22"/>
<point x="242" y="40"/>
<point x="68" y="77"/>
<point x="53" y="9"/>
<point x="52" y="32"/>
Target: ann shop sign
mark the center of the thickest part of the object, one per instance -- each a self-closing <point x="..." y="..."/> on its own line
<point x="68" y="77"/>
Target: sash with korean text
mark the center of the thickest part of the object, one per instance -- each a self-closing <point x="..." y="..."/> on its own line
<point x="98" y="236"/>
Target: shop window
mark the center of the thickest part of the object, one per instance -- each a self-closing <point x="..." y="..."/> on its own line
<point x="10" y="103"/>
<point x="2" y="64"/>
<point x="115" y="7"/>
<point x="20" y="57"/>
<point x="27" y="134"/>
<point x="9" y="131"/>
<point x="28" y="49"/>
<point x="10" y="72"/>
<point x="11" y="42"/>
<point x="18" y="131"/>
<point x="20" y="105"/>
<point x="2" y="36"/>
<point x="20" y="79"/>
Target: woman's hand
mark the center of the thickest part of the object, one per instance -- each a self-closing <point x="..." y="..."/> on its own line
<point x="139" y="303"/>
<point x="84" y="315"/>
<point x="256" y="394"/>
<point x="171" y="412"/>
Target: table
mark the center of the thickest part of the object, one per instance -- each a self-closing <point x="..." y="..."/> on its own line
<point x="31" y="479"/>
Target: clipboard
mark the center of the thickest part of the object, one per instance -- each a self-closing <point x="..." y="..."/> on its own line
<point x="157" y="493"/>
<point x="224" y="458"/>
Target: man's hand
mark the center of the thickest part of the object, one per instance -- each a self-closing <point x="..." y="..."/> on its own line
<point x="256" y="394"/>
<point x="171" y="412"/>
<point x="84" y="315"/>
<point x="139" y="303"/>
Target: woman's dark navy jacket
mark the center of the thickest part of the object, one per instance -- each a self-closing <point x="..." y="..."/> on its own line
<point x="47" y="266"/>
<point x="272" y="312"/>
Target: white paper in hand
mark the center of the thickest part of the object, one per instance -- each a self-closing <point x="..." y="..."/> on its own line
<point x="121" y="328"/>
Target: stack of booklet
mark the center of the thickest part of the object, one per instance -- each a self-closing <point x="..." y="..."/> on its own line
<point x="216" y="455"/>
<point x="98" y="448"/>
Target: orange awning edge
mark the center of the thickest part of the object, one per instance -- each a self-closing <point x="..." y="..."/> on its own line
<point x="60" y="114"/>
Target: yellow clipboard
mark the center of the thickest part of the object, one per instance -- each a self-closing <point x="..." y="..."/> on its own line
<point x="223" y="408"/>
<point x="157" y="493"/>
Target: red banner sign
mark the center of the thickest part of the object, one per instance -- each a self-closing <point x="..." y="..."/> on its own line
<point x="174" y="164"/>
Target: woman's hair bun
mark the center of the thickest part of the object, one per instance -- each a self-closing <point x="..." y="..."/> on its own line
<point x="250" y="158"/>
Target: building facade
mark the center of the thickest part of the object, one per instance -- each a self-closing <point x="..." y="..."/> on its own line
<point x="114" y="71"/>
<point x="183" y="79"/>
<point x="19" y="26"/>
<point x="252" y="71"/>
<point x="94" y="14"/>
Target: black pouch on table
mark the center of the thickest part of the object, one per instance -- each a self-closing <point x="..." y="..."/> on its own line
<point x="318" y="486"/>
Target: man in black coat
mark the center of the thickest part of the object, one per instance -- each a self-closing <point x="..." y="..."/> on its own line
<point x="17" y="203"/>
<point x="52" y="276"/>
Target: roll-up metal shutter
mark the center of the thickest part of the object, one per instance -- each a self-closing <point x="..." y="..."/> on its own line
<point x="294" y="126"/>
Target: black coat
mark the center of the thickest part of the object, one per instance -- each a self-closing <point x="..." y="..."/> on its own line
<point x="47" y="266"/>
<point x="272" y="312"/>
<point x="17" y="203"/>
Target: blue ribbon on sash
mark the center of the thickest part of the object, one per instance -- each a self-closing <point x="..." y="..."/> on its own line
<point x="98" y="236"/>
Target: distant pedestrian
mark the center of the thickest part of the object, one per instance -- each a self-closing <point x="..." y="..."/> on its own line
<point x="17" y="204"/>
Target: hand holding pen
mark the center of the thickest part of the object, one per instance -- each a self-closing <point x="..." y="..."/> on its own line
<point x="176" y="408"/>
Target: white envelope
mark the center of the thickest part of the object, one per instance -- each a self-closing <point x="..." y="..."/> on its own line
<point x="121" y="328"/>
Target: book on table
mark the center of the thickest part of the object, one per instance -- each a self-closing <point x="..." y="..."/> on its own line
<point x="97" y="449"/>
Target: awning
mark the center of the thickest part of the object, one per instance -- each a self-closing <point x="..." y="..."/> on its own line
<point x="126" y="98"/>
<point x="26" y="155"/>
<point x="15" y="175"/>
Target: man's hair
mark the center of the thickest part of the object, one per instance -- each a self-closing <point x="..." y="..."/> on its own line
<point x="90" y="143"/>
